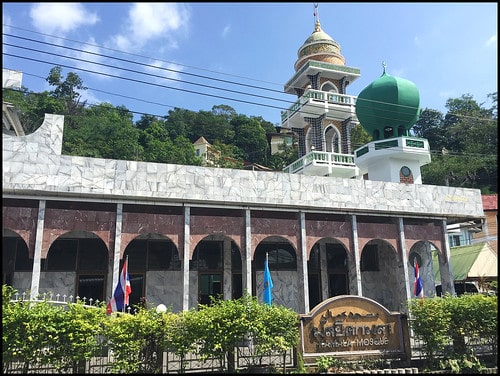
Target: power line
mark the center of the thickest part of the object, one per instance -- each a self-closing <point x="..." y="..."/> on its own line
<point x="142" y="56"/>
<point x="142" y="64"/>
<point x="347" y="111"/>
<point x="138" y="72"/>
<point x="139" y="81"/>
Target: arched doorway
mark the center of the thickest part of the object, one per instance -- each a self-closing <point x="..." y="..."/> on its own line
<point x="17" y="266"/>
<point x="218" y="266"/>
<point x="76" y="263"/>
<point x="381" y="274"/>
<point x="155" y="272"/>
<point x="283" y="268"/>
<point x="337" y="267"/>
<point x="422" y="253"/>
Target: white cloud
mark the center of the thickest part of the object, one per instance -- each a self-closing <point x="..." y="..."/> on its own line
<point x="170" y="72"/>
<point x="92" y="53"/>
<point x="89" y="97"/>
<point x="150" y="21"/>
<point x="226" y="31"/>
<point x="491" y="41"/>
<point x="60" y="18"/>
<point x="6" y="21"/>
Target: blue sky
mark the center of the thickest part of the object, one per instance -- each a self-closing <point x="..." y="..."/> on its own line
<point x="153" y="57"/>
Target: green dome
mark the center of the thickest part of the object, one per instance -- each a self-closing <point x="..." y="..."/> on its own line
<point x="388" y="107"/>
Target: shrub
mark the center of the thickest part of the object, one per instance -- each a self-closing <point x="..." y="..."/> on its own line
<point x="462" y="321"/>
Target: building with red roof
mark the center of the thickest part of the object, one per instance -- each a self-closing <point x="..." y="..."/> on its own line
<point x="490" y="226"/>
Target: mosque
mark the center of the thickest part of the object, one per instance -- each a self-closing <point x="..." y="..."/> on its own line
<point x="338" y="221"/>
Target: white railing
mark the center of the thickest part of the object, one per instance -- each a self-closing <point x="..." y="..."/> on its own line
<point x="320" y="97"/>
<point x="54" y="299"/>
<point x="323" y="158"/>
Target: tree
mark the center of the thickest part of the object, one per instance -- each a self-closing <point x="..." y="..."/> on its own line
<point x="431" y="126"/>
<point x="184" y="152"/>
<point x="67" y="90"/>
<point x="224" y="111"/>
<point x="267" y="125"/>
<point x="145" y="121"/>
<point x="251" y="138"/>
<point x="287" y="154"/>
<point x="227" y="156"/>
<point x="32" y="107"/>
<point x="464" y="144"/>
<point x="212" y="126"/>
<point x="104" y="131"/>
<point x="359" y="137"/>
<point x="156" y="143"/>
<point x="181" y="122"/>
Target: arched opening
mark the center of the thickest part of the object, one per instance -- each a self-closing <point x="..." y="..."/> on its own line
<point x="314" y="276"/>
<point x="388" y="132"/>
<point x="379" y="274"/>
<point x="423" y="253"/>
<point x="338" y="276"/>
<point x="15" y="259"/>
<point x="330" y="87"/>
<point x="332" y="139"/>
<point x="283" y="267"/>
<point x="309" y="144"/>
<point x="77" y="258"/>
<point x="154" y="268"/>
<point x="218" y="265"/>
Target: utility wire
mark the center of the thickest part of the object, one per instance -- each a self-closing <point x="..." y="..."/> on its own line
<point x="169" y="62"/>
<point x="172" y="70"/>
<point x="139" y="81"/>
<point x="347" y="111"/>
<point x="142" y="56"/>
<point x="142" y="64"/>
<point x="139" y="72"/>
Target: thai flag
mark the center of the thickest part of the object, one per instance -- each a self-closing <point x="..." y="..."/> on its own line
<point x="123" y="290"/>
<point x="268" y="283"/>
<point x="418" y="288"/>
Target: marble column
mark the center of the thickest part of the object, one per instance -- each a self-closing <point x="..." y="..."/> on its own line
<point x="37" y="260"/>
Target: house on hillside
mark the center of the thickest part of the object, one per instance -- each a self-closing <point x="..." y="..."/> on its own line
<point x="206" y="152"/>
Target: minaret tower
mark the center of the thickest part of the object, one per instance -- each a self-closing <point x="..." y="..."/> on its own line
<point x="387" y="109"/>
<point x="323" y="114"/>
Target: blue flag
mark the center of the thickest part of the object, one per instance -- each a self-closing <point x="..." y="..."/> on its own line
<point x="268" y="283"/>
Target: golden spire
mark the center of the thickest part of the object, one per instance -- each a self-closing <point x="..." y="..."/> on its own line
<point x="317" y="25"/>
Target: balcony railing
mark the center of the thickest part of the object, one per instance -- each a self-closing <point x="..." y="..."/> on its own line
<point x="321" y="99"/>
<point x="324" y="163"/>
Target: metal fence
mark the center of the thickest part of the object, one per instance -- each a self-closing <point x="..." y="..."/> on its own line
<point x="168" y="362"/>
<point x="241" y="358"/>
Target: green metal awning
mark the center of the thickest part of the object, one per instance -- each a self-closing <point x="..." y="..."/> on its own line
<point x="470" y="261"/>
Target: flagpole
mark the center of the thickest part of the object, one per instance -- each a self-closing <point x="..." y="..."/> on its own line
<point x="126" y="272"/>
<point x="268" y="283"/>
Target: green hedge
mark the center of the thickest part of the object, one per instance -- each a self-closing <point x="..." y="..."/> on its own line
<point x="44" y="334"/>
<point x="459" y="321"/>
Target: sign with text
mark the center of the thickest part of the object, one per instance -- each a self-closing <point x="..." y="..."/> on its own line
<point x="352" y="326"/>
